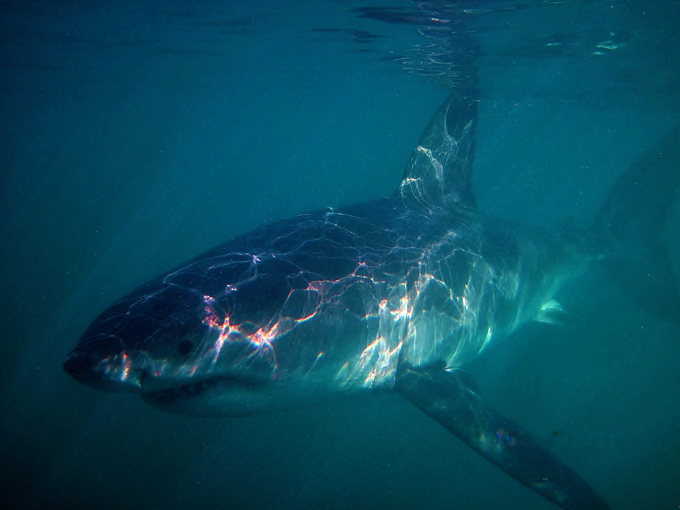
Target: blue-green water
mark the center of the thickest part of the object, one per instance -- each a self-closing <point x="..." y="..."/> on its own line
<point x="135" y="135"/>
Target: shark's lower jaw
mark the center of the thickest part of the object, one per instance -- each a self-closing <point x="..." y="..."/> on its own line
<point x="215" y="396"/>
<point x="183" y="391"/>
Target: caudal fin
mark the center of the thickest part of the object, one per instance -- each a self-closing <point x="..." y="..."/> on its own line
<point x="632" y="220"/>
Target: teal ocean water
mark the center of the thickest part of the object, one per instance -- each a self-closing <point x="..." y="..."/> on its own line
<point x="135" y="135"/>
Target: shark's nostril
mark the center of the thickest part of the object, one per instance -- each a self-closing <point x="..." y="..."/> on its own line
<point x="78" y="365"/>
<point x="89" y="369"/>
<point x="101" y="362"/>
<point x="82" y="361"/>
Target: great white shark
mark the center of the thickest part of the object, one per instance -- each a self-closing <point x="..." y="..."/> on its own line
<point x="397" y="294"/>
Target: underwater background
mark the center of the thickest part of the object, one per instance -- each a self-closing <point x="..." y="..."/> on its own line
<point x="136" y="134"/>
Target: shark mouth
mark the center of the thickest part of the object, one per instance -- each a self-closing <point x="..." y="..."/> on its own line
<point x="214" y="396"/>
<point x="174" y="394"/>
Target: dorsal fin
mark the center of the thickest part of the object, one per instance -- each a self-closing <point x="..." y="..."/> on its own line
<point x="440" y="169"/>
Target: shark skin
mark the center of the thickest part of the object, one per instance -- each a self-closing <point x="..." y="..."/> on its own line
<point x="397" y="294"/>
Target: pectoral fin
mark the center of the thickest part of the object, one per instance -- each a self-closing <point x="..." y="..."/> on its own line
<point x="446" y="397"/>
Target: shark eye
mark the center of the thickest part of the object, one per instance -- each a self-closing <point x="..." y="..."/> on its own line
<point x="185" y="347"/>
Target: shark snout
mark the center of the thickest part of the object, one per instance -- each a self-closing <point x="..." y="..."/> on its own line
<point x="103" y="365"/>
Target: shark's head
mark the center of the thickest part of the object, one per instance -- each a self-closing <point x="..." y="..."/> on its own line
<point x="173" y="343"/>
<point x="249" y="339"/>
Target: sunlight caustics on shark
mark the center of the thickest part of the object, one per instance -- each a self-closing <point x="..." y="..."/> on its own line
<point x="391" y="295"/>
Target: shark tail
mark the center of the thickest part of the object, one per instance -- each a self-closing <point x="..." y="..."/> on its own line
<point x="632" y="221"/>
